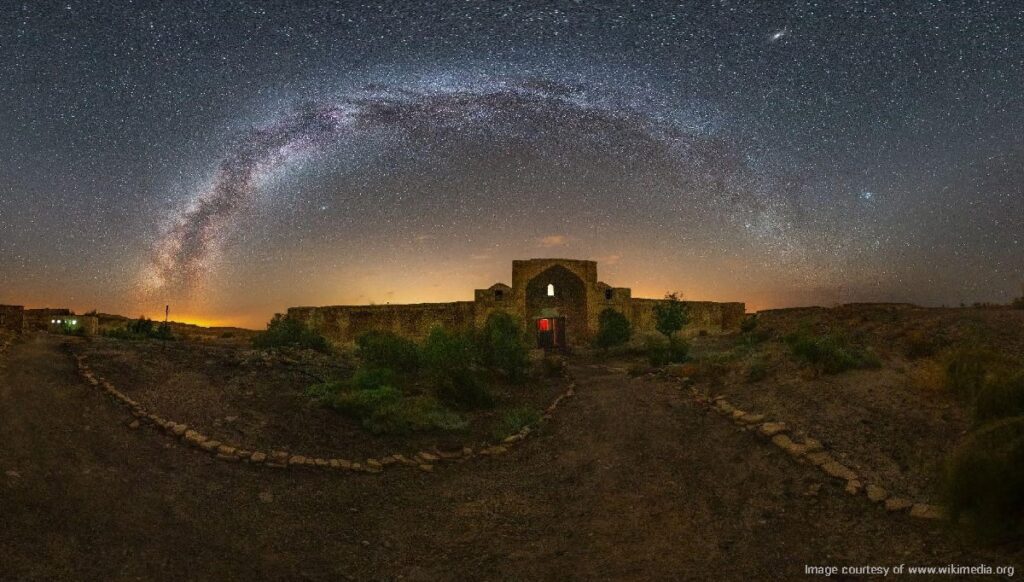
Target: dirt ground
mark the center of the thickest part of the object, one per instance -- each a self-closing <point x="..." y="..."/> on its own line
<point x="631" y="481"/>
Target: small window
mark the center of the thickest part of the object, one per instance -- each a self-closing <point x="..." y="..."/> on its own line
<point x="499" y="294"/>
<point x="551" y="290"/>
<point x="608" y="294"/>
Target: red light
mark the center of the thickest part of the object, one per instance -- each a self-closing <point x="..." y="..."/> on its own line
<point x="544" y="324"/>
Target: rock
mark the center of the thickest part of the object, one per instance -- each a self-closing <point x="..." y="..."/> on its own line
<point x="229" y="458"/>
<point x="813" y="445"/>
<point x="837" y="469"/>
<point x="853" y="487"/>
<point x="926" y="511"/>
<point x="266" y="497"/>
<point x="897" y="504"/>
<point x="426" y="467"/>
<point x="512" y="439"/>
<point x="772" y="428"/>
<point x="243" y="454"/>
<point x="750" y="418"/>
<point x="258" y="457"/>
<point x="819" y="458"/>
<point x="226" y="450"/>
<point x="344" y="463"/>
<point x="209" y="446"/>
<point x="724" y="407"/>
<point x="467" y="452"/>
<point x="193" y="438"/>
<point x="373" y="464"/>
<point x="297" y="460"/>
<point x="404" y="460"/>
<point x="322" y="463"/>
<point x="495" y="450"/>
<point x="427" y="457"/>
<point x="12" y="474"/>
<point x="785" y="443"/>
<point x="876" y="493"/>
<point x="133" y="424"/>
<point x="179" y="430"/>
<point x="813" y="489"/>
<point x="356" y="467"/>
<point x="230" y="418"/>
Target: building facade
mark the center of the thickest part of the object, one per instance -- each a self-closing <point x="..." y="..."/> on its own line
<point x="558" y="299"/>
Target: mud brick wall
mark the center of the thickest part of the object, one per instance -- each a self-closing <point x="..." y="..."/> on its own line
<point x="707" y="316"/>
<point x="344" y="323"/>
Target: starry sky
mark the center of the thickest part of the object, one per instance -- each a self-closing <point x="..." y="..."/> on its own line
<point x="234" y="158"/>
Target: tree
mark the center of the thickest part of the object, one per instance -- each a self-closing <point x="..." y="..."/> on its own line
<point x="670" y="315"/>
<point x="613" y="329"/>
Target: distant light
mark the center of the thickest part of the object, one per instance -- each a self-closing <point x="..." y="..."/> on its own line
<point x="58" y="321"/>
<point x="551" y="290"/>
<point x="74" y="322"/>
<point x="53" y="321"/>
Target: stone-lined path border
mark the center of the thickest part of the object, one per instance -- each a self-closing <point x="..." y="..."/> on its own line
<point x="811" y="450"/>
<point x="282" y="459"/>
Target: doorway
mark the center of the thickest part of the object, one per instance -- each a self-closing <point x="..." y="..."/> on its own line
<point x="551" y="333"/>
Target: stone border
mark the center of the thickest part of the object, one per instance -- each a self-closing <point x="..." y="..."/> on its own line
<point x="281" y="459"/>
<point x="811" y="450"/>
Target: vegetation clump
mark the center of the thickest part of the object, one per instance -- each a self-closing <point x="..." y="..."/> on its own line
<point x="501" y="345"/>
<point x="141" y="328"/>
<point x="514" y="420"/>
<point x="830" y="353"/>
<point x="673" y="351"/>
<point x="287" y="332"/>
<point x="384" y="349"/>
<point x="670" y="315"/>
<point x="613" y="329"/>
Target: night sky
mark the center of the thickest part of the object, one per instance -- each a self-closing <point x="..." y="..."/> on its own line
<point x="233" y="159"/>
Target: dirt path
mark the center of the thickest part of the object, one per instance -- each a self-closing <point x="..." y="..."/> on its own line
<point x="631" y="481"/>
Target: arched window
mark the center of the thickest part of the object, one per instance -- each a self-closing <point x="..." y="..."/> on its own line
<point x="551" y="290"/>
<point x="609" y="294"/>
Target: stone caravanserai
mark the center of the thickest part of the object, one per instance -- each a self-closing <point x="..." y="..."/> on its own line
<point x="560" y="299"/>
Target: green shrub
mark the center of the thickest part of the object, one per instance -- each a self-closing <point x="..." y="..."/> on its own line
<point x="985" y="478"/>
<point x="383" y="349"/>
<point x="464" y="390"/>
<point x="362" y="403"/>
<point x="748" y="324"/>
<point x="670" y="315"/>
<point x="660" y="352"/>
<point x="613" y="329"/>
<point x="830" y="353"/>
<point x="420" y="413"/>
<point x="513" y="421"/>
<point x="283" y="331"/>
<point x="370" y="378"/>
<point x="139" y="329"/>
<point x="1000" y="397"/>
<point x="445" y="353"/>
<point x="501" y="345"/>
<point x="324" y="393"/>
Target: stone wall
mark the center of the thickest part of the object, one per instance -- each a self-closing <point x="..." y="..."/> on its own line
<point x="705" y="316"/>
<point x="344" y="323"/>
<point x="39" y="319"/>
<point x="12" y="318"/>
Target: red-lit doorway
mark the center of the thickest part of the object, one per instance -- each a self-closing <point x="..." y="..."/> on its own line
<point x="551" y="333"/>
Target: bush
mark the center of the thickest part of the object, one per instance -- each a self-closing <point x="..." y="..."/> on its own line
<point x="283" y="331"/>
<point x="1000" y="398"/>
<point x="670" y="315"/>
<point x="370" y="378"/>
<point x="464" y="390"/>
<point x="673" y="351"/>
<point x="420" y="413"/>
<point x="501" y="345"/>
<point x="830" y="353"/>
<point x="383" y="349"/>
<point x="985" y="478"/>
<point x="324" y="393"/>
<point x="613" y="329"/>
<point x="513" y="421"/>
<point x="363" y="403"/>
<point x="748" y="324"/>
<point x="141" y="328"/>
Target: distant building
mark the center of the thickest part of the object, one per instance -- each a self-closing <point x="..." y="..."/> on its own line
<point x="559" y="299"/>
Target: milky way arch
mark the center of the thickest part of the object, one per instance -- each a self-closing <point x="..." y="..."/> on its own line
<point x="193" y="237"/>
